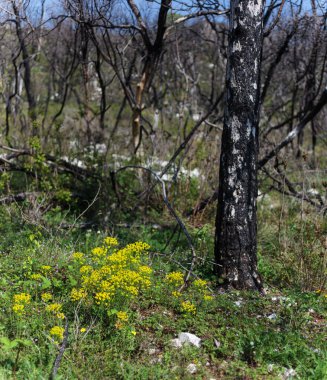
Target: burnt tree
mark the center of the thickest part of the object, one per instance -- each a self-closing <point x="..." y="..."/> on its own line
<point x="236" y="221"/>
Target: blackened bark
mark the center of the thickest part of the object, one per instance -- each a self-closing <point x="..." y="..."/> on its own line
<point x="236" y="222"/>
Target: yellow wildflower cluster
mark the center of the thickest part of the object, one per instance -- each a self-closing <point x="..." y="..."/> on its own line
<point x="46" y="297"/>
<point x="188" y="307"/>
<point x="20" y="301"/>
<point x="102" y="298"/>
<point x="78" y="257"/>
<point x="77" y="294"/>
<point x="122" y="316"/>
<point x="57" y="332"/>
<point x="22" y="298"/>
<point x="110" y="241"/>
<point x="144" y="269"/>
<point x="45" y="269"/>
<point x="55" y="309"/>
<point x="105" y="277"/>
<point x="122" y="319"/>
<point x="18" y="309"/>
<point x="99" y="251"/>
<point x="108" y="273"/>
<point x="200" y="284"/>
<point x="85" y="269"/>
<point x="36" y="277"/>
<point x="175" y="278"/>
<point x="202" y="287"/>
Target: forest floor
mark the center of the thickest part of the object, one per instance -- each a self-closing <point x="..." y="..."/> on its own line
<point x="50" y="305"/>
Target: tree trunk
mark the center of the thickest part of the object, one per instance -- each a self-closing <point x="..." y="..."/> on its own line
<point x="27" y="67"/>
<point x="236" y="222"/>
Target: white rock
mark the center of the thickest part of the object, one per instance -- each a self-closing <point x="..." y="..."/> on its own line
<point x="176" y="343"/>
<point x="272" y="316"/>
<point x="190" y="339"/>
<point x="191" y="368"/>
<point x="289" y="373"/>
<point x="313" y="192"/>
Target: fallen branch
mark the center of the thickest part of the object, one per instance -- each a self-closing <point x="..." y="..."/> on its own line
<point x="20" y="197"/>
<point x="58" y="359"/>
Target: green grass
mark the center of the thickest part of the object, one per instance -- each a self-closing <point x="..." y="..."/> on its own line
<point x="258" y="337"/>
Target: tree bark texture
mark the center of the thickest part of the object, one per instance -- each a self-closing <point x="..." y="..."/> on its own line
<point x="236" y="221"/>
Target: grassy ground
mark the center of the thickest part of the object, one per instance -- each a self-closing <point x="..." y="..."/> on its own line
<point x="244" y="335"/>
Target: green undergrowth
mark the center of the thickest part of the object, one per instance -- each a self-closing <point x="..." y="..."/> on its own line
<point x="127" y="333"/>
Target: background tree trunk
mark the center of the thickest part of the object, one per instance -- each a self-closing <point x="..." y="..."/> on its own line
<point x="236" y="222"/>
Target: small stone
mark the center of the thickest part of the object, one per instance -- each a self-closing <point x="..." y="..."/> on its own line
<point x="176" y="343"/>
<point x="217" y="343"/>
<point x="190" y="339"/>
<point x="272" y="316"/>
<point x="289" y="373"/>
<point x="191" y="368"/>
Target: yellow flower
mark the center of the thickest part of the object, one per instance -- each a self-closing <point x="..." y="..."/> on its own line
<point x="79" y="257"/>
<point x="133" y="332"/>
<point x="102" y="297"/>
<point x="18" y="309"/>
<point x="207" y="297"/>
<point x="188" y="307"/>
<point x="46" y="297"/>
<point x="57" y="332"/>
<point x="55" y="309"/>
<point x="200" y="283"/>
<point x="22" y="298"/>
<point x="77" y="294"/>
<point x="45" y="269"/>
<point x="36" y="277"/>
<point x="175" y="278"/>
<point x="85" y="269"/>
<point x="99" y="251"/>
<point x="122" y="316"/>
<point x="93" y="279"/>
<point x="176" y="294"/>
<point x="110" y="241"/>
<point x="105" y="270"/>
<point x="132" y="290"/>
<point x="144" y="269"/>
<point x="107" y="286"/>
<point x="83" y="330"/>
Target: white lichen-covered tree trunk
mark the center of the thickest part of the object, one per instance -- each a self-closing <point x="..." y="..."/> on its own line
<point x="236" y="223"/>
